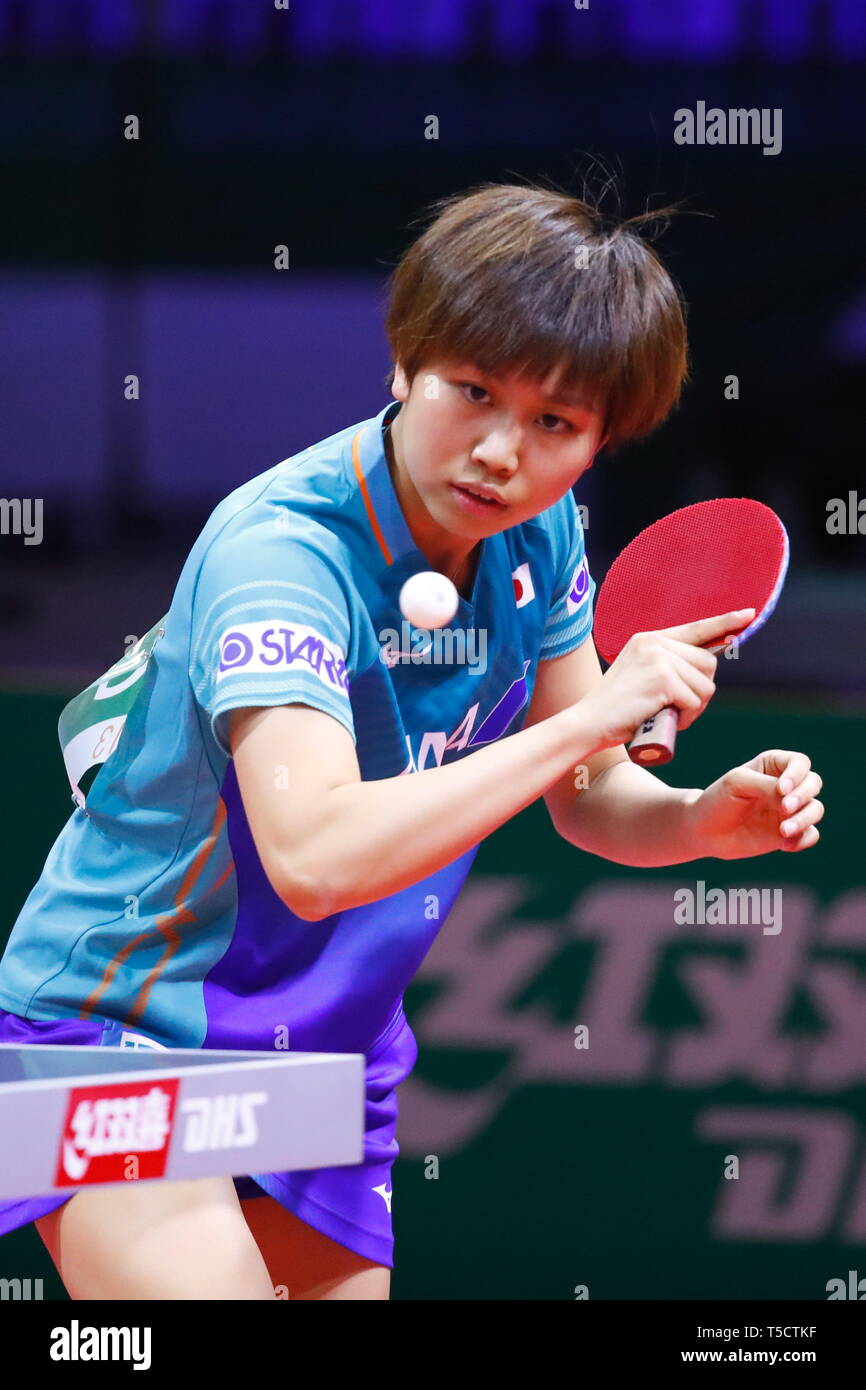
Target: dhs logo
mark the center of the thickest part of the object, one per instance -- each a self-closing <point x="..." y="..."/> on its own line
<point x="107" y="1125"/>
<point x="221" y="1122"/>
<point x="255" y="648"/>
<point x="579" y="591"/>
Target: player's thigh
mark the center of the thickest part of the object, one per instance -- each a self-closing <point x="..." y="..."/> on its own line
<point x="156" y="1240"/>
<point x="305" y="1264"/>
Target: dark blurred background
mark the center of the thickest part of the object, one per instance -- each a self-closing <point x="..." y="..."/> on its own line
<point x="305" y="126"/>
<point x="153" y="257"/>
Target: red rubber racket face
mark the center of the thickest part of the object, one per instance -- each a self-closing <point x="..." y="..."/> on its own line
<point x="702" y="560"/>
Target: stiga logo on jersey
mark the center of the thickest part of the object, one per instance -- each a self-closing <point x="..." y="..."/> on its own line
<point x="221" y="1122"/>
<point x="259" y="647"/>
<point x="579" y="591"/>
<point x="524" y="589"/>
<point x="107" y="1125"/>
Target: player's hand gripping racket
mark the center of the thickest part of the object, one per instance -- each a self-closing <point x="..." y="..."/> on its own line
<point x="713" y="557"/>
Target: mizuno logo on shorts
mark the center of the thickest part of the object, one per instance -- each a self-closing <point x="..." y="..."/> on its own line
<point x="253" y="648"/>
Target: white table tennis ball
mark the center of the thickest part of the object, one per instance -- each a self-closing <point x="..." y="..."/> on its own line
<point x="428" y="599"/>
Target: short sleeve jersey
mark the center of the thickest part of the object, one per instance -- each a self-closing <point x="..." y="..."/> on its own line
<point x="153" y="908"/>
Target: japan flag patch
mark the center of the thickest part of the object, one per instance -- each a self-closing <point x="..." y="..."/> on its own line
<point x="524" y="589"/>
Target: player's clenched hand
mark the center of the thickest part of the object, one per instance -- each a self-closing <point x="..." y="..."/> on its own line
<point x="655" y="670"/>
<point x="768" y="803"/>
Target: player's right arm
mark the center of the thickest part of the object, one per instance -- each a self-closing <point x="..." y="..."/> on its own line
<point x="329" y="841"/>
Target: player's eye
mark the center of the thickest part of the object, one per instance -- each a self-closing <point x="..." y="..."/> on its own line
<point x="558" y="419"/>
<point x="472" y="386"/>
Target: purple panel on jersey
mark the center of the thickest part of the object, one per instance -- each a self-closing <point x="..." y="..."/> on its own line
<point x="501" y="715"/>
<point x="314" y="978"/>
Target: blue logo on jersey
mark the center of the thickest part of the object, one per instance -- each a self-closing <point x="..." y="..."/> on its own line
<point x="503" y="711"/>
<point x="262" y="647"/>
<point x="236" y="650"/>
<point x="579" y="591"/>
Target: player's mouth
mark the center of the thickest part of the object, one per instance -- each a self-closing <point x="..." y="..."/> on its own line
<point x="477" y="501"/>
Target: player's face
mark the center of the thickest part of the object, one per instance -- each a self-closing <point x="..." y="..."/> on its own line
<point x="524" y="441"/>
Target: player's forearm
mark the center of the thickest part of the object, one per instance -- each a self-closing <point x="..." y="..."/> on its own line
<point x="627" y="815"/>
<point x="370" y="839"/>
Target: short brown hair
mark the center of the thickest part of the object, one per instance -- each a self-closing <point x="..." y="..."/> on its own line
<point x="527" y="280"/>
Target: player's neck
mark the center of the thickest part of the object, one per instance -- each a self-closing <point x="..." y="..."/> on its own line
<point x="445" y="553"/>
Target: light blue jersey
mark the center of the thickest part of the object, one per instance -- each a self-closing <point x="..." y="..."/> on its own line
<point x="153" y="909"/>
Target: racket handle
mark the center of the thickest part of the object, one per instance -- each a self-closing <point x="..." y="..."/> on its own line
<point x="656" y="738"/>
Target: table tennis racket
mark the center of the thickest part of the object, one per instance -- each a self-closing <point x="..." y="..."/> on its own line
<point x="709" y="558"/>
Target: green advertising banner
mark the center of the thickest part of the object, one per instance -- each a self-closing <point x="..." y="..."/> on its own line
<point x="647" y="1084"/>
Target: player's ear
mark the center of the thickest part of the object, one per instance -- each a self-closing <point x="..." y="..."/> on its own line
<point x="399" y="384"/>
<point x="598" y="448"/>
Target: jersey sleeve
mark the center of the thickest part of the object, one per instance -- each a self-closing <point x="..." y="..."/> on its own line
<point x="569" y="621"/>
<point x="270" y="624"/>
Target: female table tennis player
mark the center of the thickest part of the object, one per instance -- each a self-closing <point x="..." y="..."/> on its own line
<point x="288" y="875"/>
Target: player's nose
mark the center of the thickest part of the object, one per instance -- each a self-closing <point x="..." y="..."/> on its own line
<point x="499" y="451"/>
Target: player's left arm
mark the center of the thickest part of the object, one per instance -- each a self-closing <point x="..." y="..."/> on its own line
<point x="613" y="808"/>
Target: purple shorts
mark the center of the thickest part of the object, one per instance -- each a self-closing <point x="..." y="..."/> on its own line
<point x="351" y="1205"/>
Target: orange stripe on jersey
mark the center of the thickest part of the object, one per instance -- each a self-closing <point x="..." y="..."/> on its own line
<point x="368" y="501"/>
<point x="164" y="927"/>
<point x="173" y="941"/>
